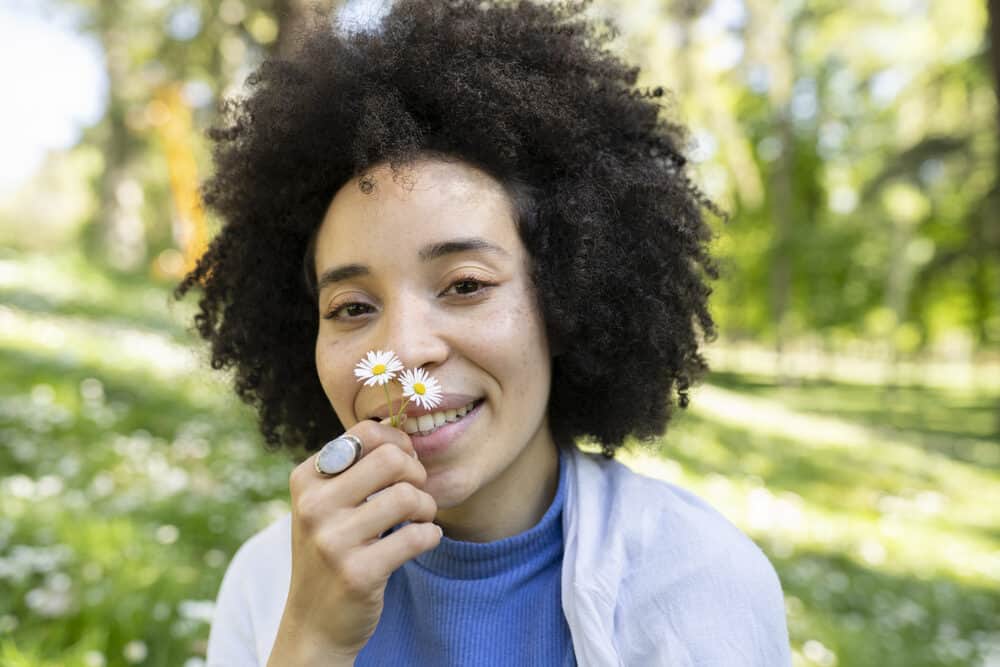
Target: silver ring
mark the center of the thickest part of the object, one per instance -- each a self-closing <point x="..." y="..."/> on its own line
<point x="338" y="455"/>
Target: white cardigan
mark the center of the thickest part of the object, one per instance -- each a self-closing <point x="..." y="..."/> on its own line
<point x="652" y="575"/>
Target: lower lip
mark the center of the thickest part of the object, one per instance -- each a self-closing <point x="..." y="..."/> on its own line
<point x="436" y="443"/>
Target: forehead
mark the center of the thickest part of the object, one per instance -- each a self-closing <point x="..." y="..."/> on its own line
<point x="425" y="201"/>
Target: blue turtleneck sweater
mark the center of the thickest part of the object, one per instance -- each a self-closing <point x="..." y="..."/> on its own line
<point x="479" y="604"/>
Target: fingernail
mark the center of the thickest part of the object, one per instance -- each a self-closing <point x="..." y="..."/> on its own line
<point x="414" y="455"/>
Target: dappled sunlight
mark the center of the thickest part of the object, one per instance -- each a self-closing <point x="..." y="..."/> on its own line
<point x="871" y="364"/>
<point x="884" y="500"/>
<point x="852" y="147"/>
<point x="67" y="283"/>
<point x="960" y="423"/>
<point x="769" y="418"/>
<point x="82" y="341"/>
<point x="66" y="279"/>
<point x="131" y="471"/>
<point x="130" y="468"/>
<point x="904" y="538"/>
<point x="877" y="539"/>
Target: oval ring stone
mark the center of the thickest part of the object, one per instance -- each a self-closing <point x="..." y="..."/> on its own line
<point x="338" y="455"/>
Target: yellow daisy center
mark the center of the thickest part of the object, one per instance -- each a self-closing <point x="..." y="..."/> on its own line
<point x="419" y="388"/>
<point x="378" y="369"/>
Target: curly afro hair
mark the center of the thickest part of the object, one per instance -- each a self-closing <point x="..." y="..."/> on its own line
<point x="528" y="93"/>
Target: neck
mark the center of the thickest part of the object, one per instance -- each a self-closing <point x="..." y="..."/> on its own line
<point x="512" y="503"/>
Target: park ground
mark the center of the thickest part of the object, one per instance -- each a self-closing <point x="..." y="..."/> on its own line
<point x="129" y="475"/>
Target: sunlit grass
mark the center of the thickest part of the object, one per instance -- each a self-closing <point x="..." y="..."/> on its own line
<point x="68" y="284"/>
<point x="887" y="549"/>
<point x="955" y="419"/>
<point x="130" y="475"/>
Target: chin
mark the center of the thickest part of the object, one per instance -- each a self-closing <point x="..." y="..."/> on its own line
<point x="446" y="490"/>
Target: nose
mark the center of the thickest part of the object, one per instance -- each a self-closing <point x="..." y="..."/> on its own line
<point x="411" y="327"/>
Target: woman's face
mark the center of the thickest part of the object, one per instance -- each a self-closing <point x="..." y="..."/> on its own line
<point x="432" y="268"/>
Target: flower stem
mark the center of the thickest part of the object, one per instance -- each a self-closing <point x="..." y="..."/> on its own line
<point x="388" y="403"/>
<point x="400" y="413"/>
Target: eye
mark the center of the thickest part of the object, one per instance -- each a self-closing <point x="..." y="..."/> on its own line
<point x="464" y="287"/>
<point x="468" y="286"/>
<point x="352" y="309"/>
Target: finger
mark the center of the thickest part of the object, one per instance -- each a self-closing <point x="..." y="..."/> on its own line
<point x="388" y="422"/>
<point x="385" y="466"/>
<point x="397" y="503"/>
<point x="389" y="553"/>
<point x="333" y="502"/>
<point x="371" y="435"/>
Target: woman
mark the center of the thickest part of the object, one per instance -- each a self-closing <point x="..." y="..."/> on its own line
<point x="479" y="189"/>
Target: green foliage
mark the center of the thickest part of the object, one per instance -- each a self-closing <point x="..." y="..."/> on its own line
<point x="854" y="143"/>
<point x="828" y="113"/>
<point x="128" y="481"/>
<point x="131" y="475"/>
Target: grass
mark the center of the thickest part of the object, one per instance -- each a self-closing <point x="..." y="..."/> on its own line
<point x="129" y="475"/>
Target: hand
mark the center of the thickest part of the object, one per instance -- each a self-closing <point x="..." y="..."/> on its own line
<point x="340" y="565"/>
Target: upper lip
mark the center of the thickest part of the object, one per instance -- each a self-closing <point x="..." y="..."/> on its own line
<point x="448" y="402"/>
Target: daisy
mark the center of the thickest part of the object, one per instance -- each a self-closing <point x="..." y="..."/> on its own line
<point x="379" y="367"/>
<point x="421" y="388"/>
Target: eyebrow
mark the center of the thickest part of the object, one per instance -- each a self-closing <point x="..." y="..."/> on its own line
<point x="428" y="253"/>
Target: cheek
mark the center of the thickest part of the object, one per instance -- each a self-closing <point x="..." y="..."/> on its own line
<point x="512" y="342"/>
<point x="329" y="360"/>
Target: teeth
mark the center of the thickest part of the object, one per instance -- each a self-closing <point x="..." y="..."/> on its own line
<point x="425" y="424"/>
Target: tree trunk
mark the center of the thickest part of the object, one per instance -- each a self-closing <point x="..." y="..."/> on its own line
<point x="990" y="222"/>
<point x="771" y="43"/>
<point x="116" y="236"/>
<point x="782" y="206"/>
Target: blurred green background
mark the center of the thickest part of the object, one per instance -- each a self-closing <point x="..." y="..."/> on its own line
<point x="851" y="425"/>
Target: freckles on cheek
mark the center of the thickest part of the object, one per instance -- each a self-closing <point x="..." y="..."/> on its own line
<point x="517" y="330"/>
<point x="327" y="356"/>
<point x="498" y="327"/>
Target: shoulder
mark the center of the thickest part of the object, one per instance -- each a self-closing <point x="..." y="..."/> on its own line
<point x="252" y="597"/>
<point x="261" y="568"/>
<point x="670" y="520"/>
<point x="659" y="512"/>
<point x="695" y="571"/>
<point x="274" y="541"/>
<point x="662" y="514"/>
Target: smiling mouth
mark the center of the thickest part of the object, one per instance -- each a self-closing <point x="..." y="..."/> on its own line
<point x="427" y="424"/>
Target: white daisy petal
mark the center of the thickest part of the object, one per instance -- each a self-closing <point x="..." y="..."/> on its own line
<point x="420" y="387"/>
<point x="378" y="367"/>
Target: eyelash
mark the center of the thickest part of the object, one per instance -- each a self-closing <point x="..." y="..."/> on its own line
<point x="483" y="285"/>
